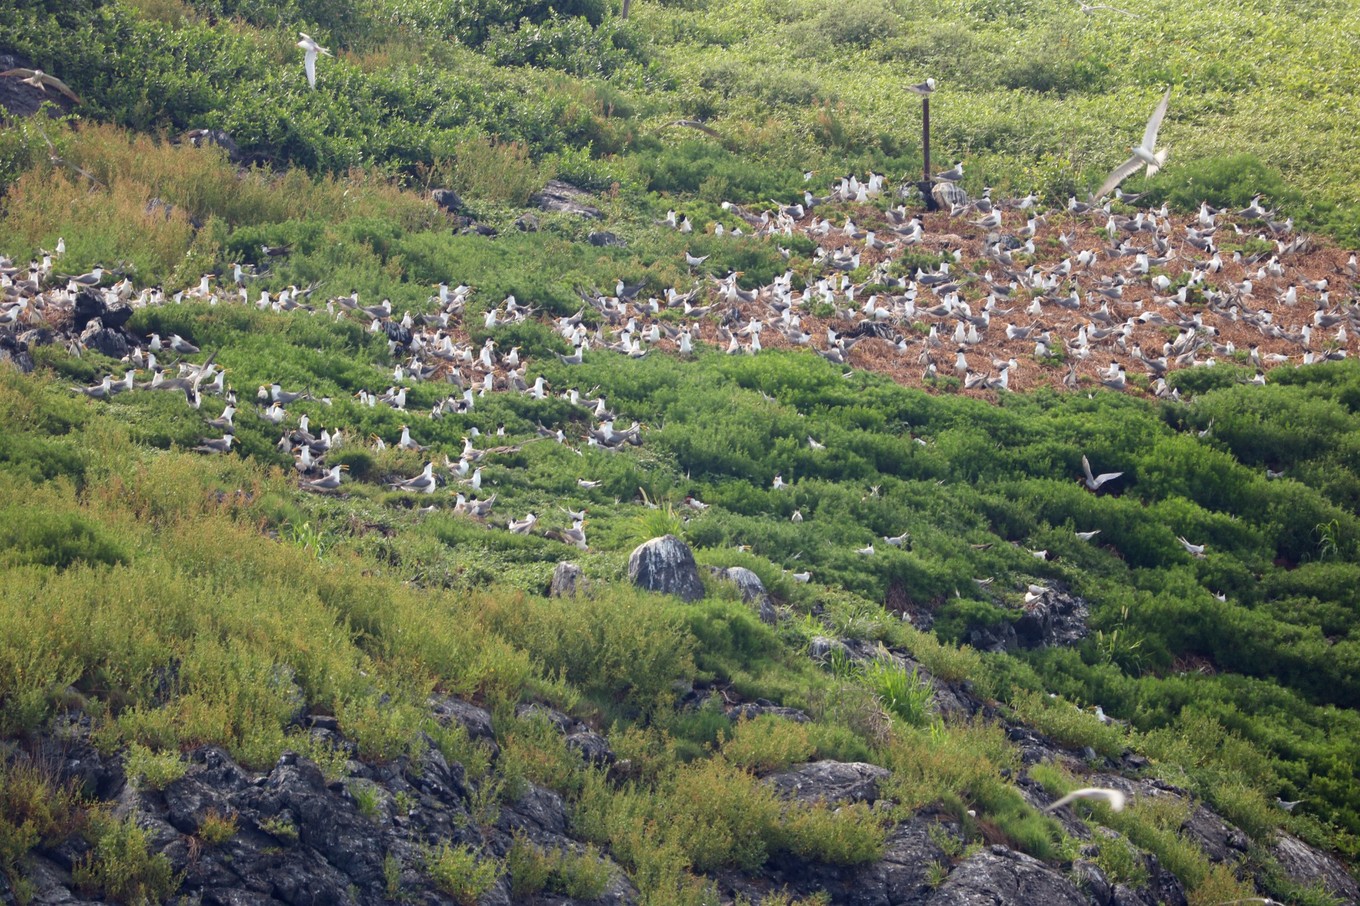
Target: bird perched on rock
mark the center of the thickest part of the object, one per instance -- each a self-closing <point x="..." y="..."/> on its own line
<point x="310" y="51"/>
<point x="1143" y="153"/>
<point x="42" y="81"/>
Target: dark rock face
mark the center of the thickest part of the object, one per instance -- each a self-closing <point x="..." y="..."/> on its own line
<point x="1308" y="866"/>
<point x="567" y="580"/>
<point x="666" y="564"/>
<point x="1056" y="619"/>
<point x="1001" y="876"/>
<point x="14" y="351"/>
<point x="111" y="343"/>
<point x="563" y="197"/>
<point x="900" y="878"/>
<point x="831" y="781"/>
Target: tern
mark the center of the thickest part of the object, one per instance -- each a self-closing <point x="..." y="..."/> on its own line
<point x="311" y="49"/>
<point x="1114" y="798"/>
<point x="215" y="445"/>
<point x="522" y="526"/>
<point x="41" y="81"/>
<point x="424" y="483"/>
<point x="925" y="89"/>
<point x="1087" y="536"/>
<point x="1195" y="550"/>
<point x="1143" y="153"/>
<point x="328" y="482"/>
<point x="1093" y="482"/>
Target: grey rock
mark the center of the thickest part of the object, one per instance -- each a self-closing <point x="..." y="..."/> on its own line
<point x="477" y="721"/>
<point x="947" y="194"/>
<point x="591" y="746"/>
<point x="1056" y="619"/>
<point x="111" y="343"/>
<point x="822" y="648"/>
<point x="604" y="239"/>
<point x="563" y="197"/>
<point x="998" y="875"/>
<point x="527" y="223"/>
<point x="567" y="580"/>
<point x="1220" y="841"/>
<point x="14" y="351"/>
<point x="760" y="708"/>
<point x="666" y="564"/>
<point x="202" y="138"/>
<point x="1308" y="866"/>
<point x="448" y="200"/>
<point x="831" y="781"/>
<point x="753" y="592"/>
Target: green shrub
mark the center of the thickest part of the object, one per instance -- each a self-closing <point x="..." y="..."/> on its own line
<point x="121" y="867"/>
<point x="458" y="872"/>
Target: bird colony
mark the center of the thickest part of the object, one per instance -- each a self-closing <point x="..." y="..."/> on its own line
<point x="984" y="296"/>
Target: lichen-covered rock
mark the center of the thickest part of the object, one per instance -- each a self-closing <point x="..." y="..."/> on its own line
<point x="667" y="565"/>
<point x="831" y="781"/>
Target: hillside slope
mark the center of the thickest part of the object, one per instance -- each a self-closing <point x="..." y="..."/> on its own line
<point x="320" y="661"/>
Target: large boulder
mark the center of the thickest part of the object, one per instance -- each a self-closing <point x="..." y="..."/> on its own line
<point x="667" y="565"/>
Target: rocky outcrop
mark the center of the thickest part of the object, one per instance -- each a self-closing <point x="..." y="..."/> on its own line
<point x="1308" y="867"/>
<point x="564" y="198"/>
<point x="831" y="782"/>
<point x="667" y="565"/>
<point x="998" y="875"/>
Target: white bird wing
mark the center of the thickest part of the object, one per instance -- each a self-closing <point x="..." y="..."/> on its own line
<point x="1120" y="173"/>
<point x="1086" y="467"/>
<point x="309" y="63"/>
<point x="1155" y="124"/>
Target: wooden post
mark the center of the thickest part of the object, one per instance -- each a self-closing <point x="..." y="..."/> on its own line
<point x="925" y="153"/>
<point x="626" y="4"/>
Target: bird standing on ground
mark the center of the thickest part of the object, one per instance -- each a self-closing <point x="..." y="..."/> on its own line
<point x="1143" y="153"/>
<point x="310" y="50"/>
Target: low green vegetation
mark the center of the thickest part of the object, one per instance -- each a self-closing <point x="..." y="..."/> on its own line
<point x="190" y="600"/>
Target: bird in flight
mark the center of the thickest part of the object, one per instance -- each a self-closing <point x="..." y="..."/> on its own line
<point x="41" y="81"/>
<point x="1143" y="153"/>
<point x="1093" y="482"/>
<point x="1114" y="798"/>
<point x="311" y="49"/>
<point x="1088" y="9"/>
